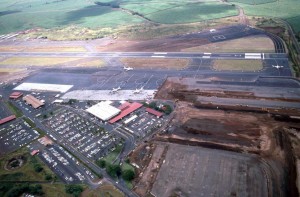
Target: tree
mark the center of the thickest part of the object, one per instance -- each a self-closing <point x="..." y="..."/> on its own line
<point x="168" y="109"/>
<point x="75" y="190"/>
<point x="37" y="167"/>
<point x="113" y="170"/>
<point x="153" y="105"/>
<point x="48" y="177"/>
<point x="128" y="175"/>
<point x="101" y="163"/>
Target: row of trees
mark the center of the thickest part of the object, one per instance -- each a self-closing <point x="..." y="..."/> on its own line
<point x="114" y="170"/>
<point x="13" y="190"/>
<point x="167" y="109"/>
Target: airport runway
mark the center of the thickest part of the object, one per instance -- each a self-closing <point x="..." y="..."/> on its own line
<point x="185" y="55"/>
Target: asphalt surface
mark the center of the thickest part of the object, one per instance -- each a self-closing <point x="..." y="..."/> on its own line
<point x="176" y="55"/>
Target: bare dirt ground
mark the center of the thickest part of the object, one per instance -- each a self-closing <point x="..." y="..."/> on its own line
<point x="220" y="153"/>
<point x="257" y="43"/>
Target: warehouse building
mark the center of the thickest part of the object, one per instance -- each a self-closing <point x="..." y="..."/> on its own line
<point x="15" y="95"/>
<point x="104" y="110"/>
<point x="34" y="102"/>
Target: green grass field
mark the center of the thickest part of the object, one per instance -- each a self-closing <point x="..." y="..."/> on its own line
<point x="284" y="9"/>
<point x="21" y="15"/>
<point x="105" y="20"/>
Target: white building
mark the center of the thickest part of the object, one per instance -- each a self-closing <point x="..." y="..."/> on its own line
<point x="103" y="110"/>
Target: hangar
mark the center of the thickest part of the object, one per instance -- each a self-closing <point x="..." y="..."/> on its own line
<point x="104" y="110"/>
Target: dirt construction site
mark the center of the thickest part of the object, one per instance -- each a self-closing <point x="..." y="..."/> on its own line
<point x="211" y="151"/>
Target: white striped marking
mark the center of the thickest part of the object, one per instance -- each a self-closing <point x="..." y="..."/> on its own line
<point x="158" y="56"/>
<point x="160" y="53"/>
<point x="207" y="53"/>
<point x="205" y="56"/>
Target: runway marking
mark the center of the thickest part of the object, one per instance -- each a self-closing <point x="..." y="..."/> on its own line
<point x="157" y="56"/>
<point x="205" y="56"/>
<point x="207" y="53"/>
<point x="252" y="55"/>
<point x="263" y="56"/>
<point x="160" y="53"/>
<point x="220" y="37"/>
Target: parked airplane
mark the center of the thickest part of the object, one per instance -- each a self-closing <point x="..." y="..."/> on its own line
<point x="137" y="91"/>
<point x="127" y="68"/>
<point x="115" y="89"/>
<point x="277" y="66"/>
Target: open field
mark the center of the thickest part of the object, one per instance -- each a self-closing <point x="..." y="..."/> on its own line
<point x="16" y="16"/>
<point x="284" y="9"/>
<point x="42" y="49"/>
<point x="57" y="190"/>
<point x="155" y="63"/>
<point x="37" y="61"/>
<point x="237" y="65"/>
<point x="247" y="44"/>
<point x="183" y="12"/>
<point x="56" y="49"/>
<point x="90" y="63"/>
<point x="103" y="191"/>
<point x="10" y="70"/>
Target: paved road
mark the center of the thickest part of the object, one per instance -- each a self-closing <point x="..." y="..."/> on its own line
<point x="185" y="55"/>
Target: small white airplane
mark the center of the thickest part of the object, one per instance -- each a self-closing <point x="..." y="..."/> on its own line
<point x="277" y="66"/>
<point x="137" y="91"/>
<point x="127" y="68"/>
<point x="115" y="89"/>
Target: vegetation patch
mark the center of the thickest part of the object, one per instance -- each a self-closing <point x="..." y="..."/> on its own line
<point x="17" y="189"/>
<point x="91" y="63"/>
<point x="103" y="191"/>
<point x="37" y="61"/>
<point x="56" y="49"/>
<point x="16" y="111"/>
<point x="33" y="169"/>
<point x="10" y="70"/>
<point x="237" y="65"/>
<point x="193" y="13"/>
<point x="155" y="63"/>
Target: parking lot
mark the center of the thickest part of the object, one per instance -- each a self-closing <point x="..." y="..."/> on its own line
<point x="87" y="137"/>
<point x="142" y="123"/>
<point x="62" y="163"/>
<point x="15" y="135"/>
<point x="28" y="109"/>
<point x="4" y="112"/>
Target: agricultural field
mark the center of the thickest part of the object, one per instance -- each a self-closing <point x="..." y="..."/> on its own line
<point x="16" y="16"/>
<point x="181" y="12"/>
<point x="284" y="9"/>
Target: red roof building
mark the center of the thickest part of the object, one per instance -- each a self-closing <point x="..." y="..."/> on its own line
<point x="15" y="95"/>
<point x="7" y="119"/>
<point x="131" y="108"/>
<point x="124" y="106"/>
<point x="34" y="152"/>
<point x="154" y="112"/>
